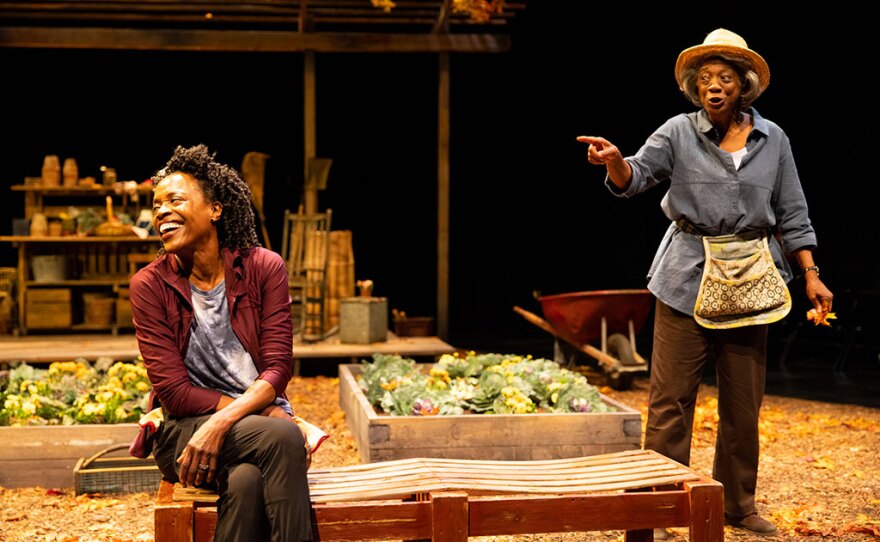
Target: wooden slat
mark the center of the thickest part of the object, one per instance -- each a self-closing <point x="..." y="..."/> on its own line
<point x="400" y="479"/>
<point x="533" y="514"/>
<point x="65" y="442"/>
<point x="366" y="521"/>
<point x="267" y="41"/>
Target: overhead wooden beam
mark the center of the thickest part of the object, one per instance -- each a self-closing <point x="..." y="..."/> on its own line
<point x="248" y="41"/>
<point x="443" y="198"/>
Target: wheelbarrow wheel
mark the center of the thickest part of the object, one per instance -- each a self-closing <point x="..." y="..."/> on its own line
<point x="620" y="381"/>
<point x="619" y="347"/>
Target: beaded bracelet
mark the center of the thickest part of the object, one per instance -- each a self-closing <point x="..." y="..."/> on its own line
<point x="812" y="268"/>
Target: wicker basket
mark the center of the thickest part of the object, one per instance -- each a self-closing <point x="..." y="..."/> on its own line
<point x="116" y="474"/>
<point x="113" y="229"/>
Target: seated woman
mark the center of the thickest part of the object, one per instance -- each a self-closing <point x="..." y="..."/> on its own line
<point x="212" y="320"/>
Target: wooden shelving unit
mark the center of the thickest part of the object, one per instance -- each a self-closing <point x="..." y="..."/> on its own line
<point x="97" y="265"/>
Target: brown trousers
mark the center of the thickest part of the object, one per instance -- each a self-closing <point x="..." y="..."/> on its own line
<point x="681" y="347"/>
<point x="261" y="479"/>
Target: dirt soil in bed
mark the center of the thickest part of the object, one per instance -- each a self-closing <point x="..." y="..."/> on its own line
<point x="819" y="477"/>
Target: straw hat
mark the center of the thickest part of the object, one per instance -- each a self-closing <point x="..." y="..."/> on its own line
<point x="725" y="42"/>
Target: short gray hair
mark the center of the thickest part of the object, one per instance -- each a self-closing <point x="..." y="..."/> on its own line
<point x="749" y="82"/>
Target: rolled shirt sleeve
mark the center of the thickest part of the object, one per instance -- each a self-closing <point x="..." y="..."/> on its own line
<point x="790" y="205"/>
<point x="651" y="165"/>
<point x="276" y="332"/>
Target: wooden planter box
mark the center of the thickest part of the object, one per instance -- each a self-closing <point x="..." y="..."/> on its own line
<point x="46" y="456"/>
<point x="481" y="436"/>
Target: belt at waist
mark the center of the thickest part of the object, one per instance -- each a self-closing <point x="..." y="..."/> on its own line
<point x="689" y="228"/>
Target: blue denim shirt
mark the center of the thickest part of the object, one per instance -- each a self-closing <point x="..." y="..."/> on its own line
<point x="708" y="191"/>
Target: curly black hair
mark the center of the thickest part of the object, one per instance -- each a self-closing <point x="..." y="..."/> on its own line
<point x="219" y="184"/>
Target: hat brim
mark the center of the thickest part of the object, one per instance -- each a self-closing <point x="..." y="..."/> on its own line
<point x="695" y="53"/>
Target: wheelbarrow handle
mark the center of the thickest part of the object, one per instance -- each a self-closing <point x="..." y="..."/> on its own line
<point x="603" y="358"/>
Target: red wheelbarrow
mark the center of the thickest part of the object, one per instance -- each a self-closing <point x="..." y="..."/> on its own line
<point x="581" y="318"/>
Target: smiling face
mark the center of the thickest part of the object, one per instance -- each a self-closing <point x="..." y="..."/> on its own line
<point x="719" y="87"/>
<point x="182" y="215"/>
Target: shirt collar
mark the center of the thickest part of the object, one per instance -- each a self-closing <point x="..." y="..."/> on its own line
<point x="758" y="123"/>
<point x="234" y="265"/>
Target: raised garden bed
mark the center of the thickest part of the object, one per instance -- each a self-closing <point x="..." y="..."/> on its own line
<point x="484" y="436"/>
<point x="45" y="456"/>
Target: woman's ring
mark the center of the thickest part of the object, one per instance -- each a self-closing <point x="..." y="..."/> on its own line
<point x="203" y="467"/>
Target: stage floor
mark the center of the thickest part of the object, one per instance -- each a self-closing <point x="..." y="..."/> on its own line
<point x="48" y="348"/>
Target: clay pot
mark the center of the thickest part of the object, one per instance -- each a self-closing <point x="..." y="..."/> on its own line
<point x="70" y="172"/>
<point x="51" y="171"/>
<point x="39" y="225"/>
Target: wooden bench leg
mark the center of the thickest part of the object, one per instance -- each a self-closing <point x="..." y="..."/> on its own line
<point x="204" y="524"/>
<point x="174" y="522"/>
<point x="640" y="535"/>
<point x="707" y="511"/>
<point x="449" y="516"/>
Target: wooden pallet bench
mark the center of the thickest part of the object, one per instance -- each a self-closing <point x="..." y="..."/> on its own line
<point x="447" y="500"/>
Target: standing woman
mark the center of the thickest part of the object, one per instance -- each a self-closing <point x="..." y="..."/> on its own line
<point x="733" y="183"/>
<point x="212" y="320"/>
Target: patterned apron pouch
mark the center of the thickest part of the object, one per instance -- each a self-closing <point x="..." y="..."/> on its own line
<point x="741" y="285"/>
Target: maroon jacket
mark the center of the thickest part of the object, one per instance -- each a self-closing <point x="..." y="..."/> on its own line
<point x="259" y="307"/>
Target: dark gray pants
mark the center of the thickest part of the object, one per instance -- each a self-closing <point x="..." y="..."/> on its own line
<point x="261" y="477"/>
<point x="681" y="347"/>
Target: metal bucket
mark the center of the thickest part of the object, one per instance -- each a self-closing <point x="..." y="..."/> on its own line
<point x="49" y="268"/>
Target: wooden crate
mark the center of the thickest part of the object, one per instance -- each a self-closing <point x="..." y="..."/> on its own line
<point x="123" y="309"/>
<point x="477" y="436"/>
<point x="46" y="456"/>
<point x="48" y="308"/>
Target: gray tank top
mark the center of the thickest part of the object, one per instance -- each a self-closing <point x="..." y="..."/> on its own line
<point x="215" y="358"/>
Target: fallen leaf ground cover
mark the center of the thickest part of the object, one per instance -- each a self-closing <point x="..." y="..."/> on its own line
<point x="819" y="477"/>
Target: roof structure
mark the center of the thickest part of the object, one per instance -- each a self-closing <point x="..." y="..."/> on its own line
<point x="277" y="26"/>
<point x="260" y="25"/>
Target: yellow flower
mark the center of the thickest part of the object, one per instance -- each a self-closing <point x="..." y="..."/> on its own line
<point x="120" y="413"/>
<point x="142" y="386"/>
<point x="554" y="397"/>
<point x="446" y="359"/>
<point x="29" y="407"/>
<point x="11" y="402"/>
<point x="554" y="386"/>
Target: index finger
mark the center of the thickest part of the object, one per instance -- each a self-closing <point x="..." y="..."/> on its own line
<point x="184" y="462"/>
<point x="592" y="140"/>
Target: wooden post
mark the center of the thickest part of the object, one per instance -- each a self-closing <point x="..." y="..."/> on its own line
<point x="443" y="199"/>
<point x="707" y="511"/>
<point x="449" y="516"/>
<point x="309" y="122"/>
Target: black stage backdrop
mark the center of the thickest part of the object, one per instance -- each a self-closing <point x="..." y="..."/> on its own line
<point x="528" y="213"/>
